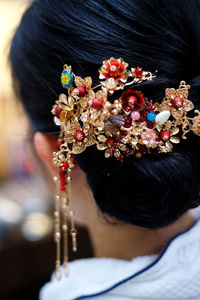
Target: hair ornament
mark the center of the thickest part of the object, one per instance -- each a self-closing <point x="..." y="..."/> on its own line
<point x="129" y="125"/>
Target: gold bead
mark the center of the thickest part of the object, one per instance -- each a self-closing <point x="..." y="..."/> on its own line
<point x="57" y="236"/>
<point x="69" y="178"/>
<point x="71" y="213"/>
<point x="56" y="214"/>
<point x="65" y="227"/>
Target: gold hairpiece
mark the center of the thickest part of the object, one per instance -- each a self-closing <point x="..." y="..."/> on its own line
<point x="129" y="125"/>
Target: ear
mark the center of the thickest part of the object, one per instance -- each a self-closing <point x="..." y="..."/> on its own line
<point x="45" y="145"/>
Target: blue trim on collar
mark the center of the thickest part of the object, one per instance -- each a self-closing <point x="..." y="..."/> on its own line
<point x="141" y="271"/>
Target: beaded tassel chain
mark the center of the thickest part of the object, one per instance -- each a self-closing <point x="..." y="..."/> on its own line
<point x="63" y="212"/>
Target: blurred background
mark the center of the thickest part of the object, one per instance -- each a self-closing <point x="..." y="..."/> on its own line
<point x="27" y="250"/>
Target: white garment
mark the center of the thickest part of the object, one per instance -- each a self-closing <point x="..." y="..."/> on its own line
<point x="172" y="275"/>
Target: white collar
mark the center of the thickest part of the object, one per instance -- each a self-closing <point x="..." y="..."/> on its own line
<point x="172" y="274"/>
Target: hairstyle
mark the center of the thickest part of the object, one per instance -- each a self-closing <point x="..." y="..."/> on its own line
<point x="152" y="191"/>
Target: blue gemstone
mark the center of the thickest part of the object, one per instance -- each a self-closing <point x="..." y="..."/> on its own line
<point x="151" y="116"/>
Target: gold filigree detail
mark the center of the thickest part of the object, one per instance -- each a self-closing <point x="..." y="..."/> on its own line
<point x="121" y="128"/>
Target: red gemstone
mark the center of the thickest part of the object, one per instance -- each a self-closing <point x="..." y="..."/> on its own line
<point x="165" y="135"/>
<point x="58" y="111"/>
<point x="59" y="143"/>
<point x="138" y="72"/>
<point x="97" y="103"/>
<point x="110" y="142"/>
<point x="81" y="91"/>
<point x="79" y="136"/>
<point x="177" y="102"/>
<point x="65" y="165"/>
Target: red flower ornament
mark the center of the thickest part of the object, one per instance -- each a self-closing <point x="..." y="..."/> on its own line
<point x="114" y="69"/>
<point x="115" y="72"/>
<point x="132" y="100"/>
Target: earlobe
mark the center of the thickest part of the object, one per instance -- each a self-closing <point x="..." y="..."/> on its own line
<point x="45" y="145"/>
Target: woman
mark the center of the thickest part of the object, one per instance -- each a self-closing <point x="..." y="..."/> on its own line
<point x="146" y="242"/>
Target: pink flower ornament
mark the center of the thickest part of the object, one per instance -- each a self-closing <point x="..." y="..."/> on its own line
<point x="149" y="138"/>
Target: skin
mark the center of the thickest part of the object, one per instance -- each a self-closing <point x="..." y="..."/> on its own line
<point x="107" y="238"/>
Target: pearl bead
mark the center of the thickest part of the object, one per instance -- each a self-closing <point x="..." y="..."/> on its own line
<point x="57" y="121"/>
<point x="162" y="117"/>
<point x="135" y="115"/>
<point x="111" y="83"/>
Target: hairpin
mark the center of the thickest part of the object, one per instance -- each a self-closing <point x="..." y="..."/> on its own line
<point x="129" y="125"/>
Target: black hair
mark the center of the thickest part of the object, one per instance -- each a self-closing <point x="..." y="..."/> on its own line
<point x="152" y="191"/>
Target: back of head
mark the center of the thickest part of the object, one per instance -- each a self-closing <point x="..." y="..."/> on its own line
<point x="152" y="191"/>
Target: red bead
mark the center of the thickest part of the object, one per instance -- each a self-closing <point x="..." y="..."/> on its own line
<point x="165" y="135"/>
<point x="120" y="158"/>
<point x="63" y="188"/>
<point x="65" y="165"/>
<point x="138" y="72"/>
<point x="59" y="143"/>
<point x="62" y="183"/>
<point x="81" y="91"/>
<point x="150" y="106"/>
<point x="97" y="103"/>
<point x="62" y="172"/>
<point x="62" y="180"/>
<point x="79" y="136"/>
<point x="58" y="111"/>
<point x="110" y="142"/>
<point x="177" y="102"/>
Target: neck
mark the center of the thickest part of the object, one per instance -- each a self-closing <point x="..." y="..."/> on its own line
<point x="127" y="241"/>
